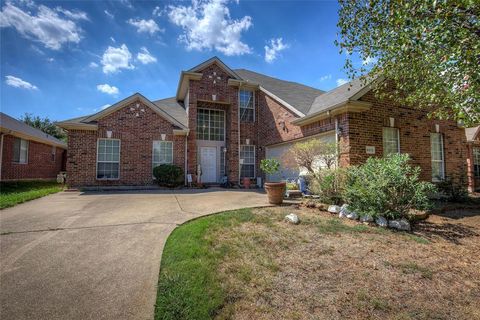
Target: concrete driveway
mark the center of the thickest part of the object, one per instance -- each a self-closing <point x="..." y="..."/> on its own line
<point x="95" y="255"/>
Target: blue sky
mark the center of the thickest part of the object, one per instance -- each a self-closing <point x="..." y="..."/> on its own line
<point x="63" y="59"/>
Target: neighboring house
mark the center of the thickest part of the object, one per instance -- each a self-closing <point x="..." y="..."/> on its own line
<point x="27" y="153"/>
<point x="223" y="122"/>
<point x="473" y="158"/>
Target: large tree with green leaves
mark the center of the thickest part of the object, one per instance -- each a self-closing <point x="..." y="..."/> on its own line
<point x="430" y="50"/>
<point x="45" y="125"/>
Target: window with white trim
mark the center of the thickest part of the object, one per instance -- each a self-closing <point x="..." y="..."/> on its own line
<point x="108" y="159"/>
<point x="476" y="162"/>
<point x="54" y="153"/>
<point x="438" y="159"/>
<point x="210" y="125"/>
<point x="247" y="106"/>
<point x="20" y="151"/>
<point x="247" y="161"/>
<point x="162" y="152"/>
<point x="391" y="141"/>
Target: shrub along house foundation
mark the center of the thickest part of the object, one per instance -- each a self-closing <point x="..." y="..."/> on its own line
<point x="222" y="122"/>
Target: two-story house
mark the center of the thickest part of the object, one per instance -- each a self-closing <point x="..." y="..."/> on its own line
<point x="223" y="122"/>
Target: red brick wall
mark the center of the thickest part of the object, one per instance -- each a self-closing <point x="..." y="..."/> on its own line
<point x="365" y="129"/>
<point x="226" y="99"/>
<point x="136" y="134"/>
<point x="40" y="164"/>
<point x="473" y="182"/>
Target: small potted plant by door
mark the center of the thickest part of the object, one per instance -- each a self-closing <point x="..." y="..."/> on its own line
<point x="275" y="190"/>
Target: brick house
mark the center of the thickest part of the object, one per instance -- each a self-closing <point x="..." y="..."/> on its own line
<point x="27" y="153"/>
<point x="473" y="158"/>
<point x="223" y="122"/>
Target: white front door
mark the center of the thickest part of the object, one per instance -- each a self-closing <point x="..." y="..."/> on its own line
<point x="208" y="163"/>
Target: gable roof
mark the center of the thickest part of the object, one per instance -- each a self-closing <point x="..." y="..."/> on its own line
<point x="219" y="62"/>
<point x="472" y="133"/>
<point x="173" y="108"/>
<point x="297" y="95"/>
<point x="344" y="93"/>
<point x="168" y="109"/>
<point x="20" y="129"/>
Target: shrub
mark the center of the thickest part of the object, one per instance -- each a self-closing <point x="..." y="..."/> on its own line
<point x="270" y="166"/>
<point x="451" y="191"/>
<point x="387" y="187"/>
<point x="168" y="174"/>
<point x="329" y="184"/>
<point x="292" y="185"/>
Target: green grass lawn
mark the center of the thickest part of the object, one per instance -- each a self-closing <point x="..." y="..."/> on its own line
<point x="250" y="264"/>
<point x="13" y="193"/>
<point x="189" y="286"/>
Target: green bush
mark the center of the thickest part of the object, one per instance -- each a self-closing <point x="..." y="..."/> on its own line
<point x="168" y="175"/>
<point x="453" y="191"/>
<point x="329" y="184"/>
<point x="387" y="187"/>
<point x="291" y="185"/>
<point x="270" y="166"/>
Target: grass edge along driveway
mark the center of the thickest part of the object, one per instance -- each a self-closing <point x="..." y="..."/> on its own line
<point x="188" y="286"/>
<point x="13" y="193"/>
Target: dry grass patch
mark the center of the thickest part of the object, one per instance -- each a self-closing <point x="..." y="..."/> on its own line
<point x="327" y="268"/>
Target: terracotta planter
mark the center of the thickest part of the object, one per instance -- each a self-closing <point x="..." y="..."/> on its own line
<point x="246" y="183"/>
<point x="275" y="191"/>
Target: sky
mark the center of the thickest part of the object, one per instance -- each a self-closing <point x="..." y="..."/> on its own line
<point x="63" y="59"/>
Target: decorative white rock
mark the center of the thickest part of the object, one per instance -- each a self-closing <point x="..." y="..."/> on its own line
<point x="367" y="218"/>
<point x="334" y="209"/>
<point x="344" y="212"/>
<point x="292" y="218"/>
<point x="401" y="224"/>
<point x="381" y="221"/>
<point x="352" y="215"/>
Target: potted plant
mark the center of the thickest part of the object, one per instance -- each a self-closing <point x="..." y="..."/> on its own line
<point x="275" y="190"/>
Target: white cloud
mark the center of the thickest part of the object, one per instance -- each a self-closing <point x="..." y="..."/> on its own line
<point x="207" y="25"/>
<point x="369" y="60"/>
<point x="145" y="57"/>
<point x="19" y="83"/>
<point x="112" y="39"/>
<point x="341" y="81"/>
<point x="157" y="12"/>
<point x="50" y="59"/>
<point x="325" y="77"/>
<point x="93" y="65"/>
<point x="114" y="59"/>
<point x="105" y="106"/>
<point x="127" y="3"/>
<point x="146" y="26"/>
<point x="75" y="15"/>
<point x="108" y="14"/>
<point x="108" y="89"/>
<point x="274" y="47"/>
<point x="46" y="26"/>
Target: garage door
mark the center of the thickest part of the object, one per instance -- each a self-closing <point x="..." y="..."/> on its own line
<point x="288" y="170"/>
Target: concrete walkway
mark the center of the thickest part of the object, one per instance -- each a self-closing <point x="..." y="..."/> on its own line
<point x="95" y="255"/>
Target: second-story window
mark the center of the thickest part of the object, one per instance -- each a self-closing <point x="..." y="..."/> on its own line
<point x="210" y="125"/>
<point x="247" y="106"/>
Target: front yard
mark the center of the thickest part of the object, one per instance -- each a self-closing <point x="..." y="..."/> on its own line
<point x="13" y="193"/>
<point x="250" y="264"/>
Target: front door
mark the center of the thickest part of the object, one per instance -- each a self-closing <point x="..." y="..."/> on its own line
<point x="208" y="163"/>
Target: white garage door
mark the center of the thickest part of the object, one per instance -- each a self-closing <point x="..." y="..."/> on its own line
<point x="288" y="170"/>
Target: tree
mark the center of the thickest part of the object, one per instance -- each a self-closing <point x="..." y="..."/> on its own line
<point x="45" y="125"/>
<point x="430" y="50"/>
<point x="313" y="154"/>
